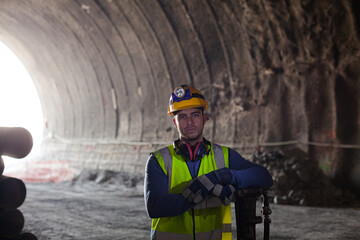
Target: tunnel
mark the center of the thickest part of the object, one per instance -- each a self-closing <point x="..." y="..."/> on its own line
<point x="277" y="75"/>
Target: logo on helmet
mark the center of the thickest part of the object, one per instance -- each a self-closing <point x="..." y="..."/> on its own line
<point x="179" y="92"/>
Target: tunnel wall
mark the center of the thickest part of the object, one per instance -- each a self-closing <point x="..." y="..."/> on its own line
<point x="272" y="72"/>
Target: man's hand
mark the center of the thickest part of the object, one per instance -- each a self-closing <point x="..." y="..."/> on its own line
<point x="221" y="176"/>
<point x="198" y="189"/>
<point x="225" y="193"/>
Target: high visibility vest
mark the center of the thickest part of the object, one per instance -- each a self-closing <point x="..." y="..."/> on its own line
<point x="200" y="224"/>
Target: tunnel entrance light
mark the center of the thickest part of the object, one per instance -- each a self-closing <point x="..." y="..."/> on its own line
<point x="19" y="104"/>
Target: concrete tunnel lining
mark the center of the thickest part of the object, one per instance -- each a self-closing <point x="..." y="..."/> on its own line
<point x="271" y="72"/>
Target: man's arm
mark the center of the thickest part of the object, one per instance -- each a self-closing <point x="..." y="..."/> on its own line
<point x="247" y="174"/>
<point x="158" y="201"/>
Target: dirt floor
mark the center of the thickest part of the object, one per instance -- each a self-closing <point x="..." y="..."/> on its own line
<point x="110" y="211"/>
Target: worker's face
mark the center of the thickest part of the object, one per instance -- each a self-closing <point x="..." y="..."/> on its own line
<point x="190" y="124"/>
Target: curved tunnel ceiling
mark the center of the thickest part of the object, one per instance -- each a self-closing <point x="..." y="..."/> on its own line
<point x="272" y="71"/>
<point x="116" y="62"/>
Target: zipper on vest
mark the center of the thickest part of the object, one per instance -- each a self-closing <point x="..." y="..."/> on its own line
<point x="193" y="218"/>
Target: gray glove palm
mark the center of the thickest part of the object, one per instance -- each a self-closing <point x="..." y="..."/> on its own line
<point x="225" y="193"/>
<point x="198" y="189"/>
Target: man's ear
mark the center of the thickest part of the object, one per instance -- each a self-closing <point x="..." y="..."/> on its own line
<point x="205" y="118"/>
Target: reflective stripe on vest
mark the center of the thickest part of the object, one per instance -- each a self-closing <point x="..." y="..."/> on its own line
<point x="210" y="223"/>
<point x="213" y="235"/>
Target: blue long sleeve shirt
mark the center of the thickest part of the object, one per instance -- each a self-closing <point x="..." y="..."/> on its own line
<point x="160" y="203"/>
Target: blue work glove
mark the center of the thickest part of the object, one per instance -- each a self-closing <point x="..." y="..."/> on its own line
<point x="198" y="189"/>
<point x="221" y="176"/>
<point x="225" y="193"/>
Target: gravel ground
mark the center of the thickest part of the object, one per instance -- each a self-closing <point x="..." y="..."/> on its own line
<point x="110" y="211"/>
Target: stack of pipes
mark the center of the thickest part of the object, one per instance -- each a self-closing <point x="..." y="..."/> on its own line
<point x="15" y="142"/>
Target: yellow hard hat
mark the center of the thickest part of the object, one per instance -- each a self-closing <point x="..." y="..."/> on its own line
<point x="185" y="97"/>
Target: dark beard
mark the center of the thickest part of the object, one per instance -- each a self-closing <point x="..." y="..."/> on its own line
<point x="193" y="138"/>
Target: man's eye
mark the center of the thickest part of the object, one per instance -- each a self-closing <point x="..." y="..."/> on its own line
<point x="182" y="117"/>
<point x="196" y="115"/>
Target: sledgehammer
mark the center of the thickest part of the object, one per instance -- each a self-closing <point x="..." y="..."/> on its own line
<point x="245" y="210"/>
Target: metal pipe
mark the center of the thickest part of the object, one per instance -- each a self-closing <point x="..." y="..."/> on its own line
<point x="12" y="192"/>
<point x="245" y="213"/>
<point x="2" y="166"/>
<point x="245" y="210"/>
<point x="15" y="142"/>
<point x="26" y="236"/>
<point x="11" y="223"/>
<point x="266" y="211"/>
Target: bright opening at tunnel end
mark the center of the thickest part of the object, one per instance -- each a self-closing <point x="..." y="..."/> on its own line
<point x="19" y="104"/>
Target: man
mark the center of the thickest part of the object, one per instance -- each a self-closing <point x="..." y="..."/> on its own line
<point x="189" y="184"/>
